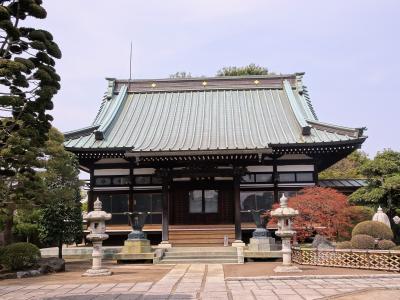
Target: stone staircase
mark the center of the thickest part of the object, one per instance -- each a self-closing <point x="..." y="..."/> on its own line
<point x="204" y="236"/>
<point x="200" y="255"/>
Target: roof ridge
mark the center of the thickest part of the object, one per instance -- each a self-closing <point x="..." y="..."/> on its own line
<point x="356" y="132"/>
<point x="202" y="78"/>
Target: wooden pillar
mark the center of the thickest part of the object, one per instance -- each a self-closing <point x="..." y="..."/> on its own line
<point x="276" y="179"/>
<point x="91" y="188"/>
<point x="165" y="210"/>
<point x="236" y="199"/>
<point x="315" y="172"/>
<point x="131" y="203"/>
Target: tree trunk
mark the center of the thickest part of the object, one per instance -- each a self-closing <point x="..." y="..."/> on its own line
<point x="8" y="225"/>
<point x="60" y="244"/>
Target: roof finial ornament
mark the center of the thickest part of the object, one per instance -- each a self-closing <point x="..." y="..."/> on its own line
<point x="283" y="201"/>
<point x="97" y="204"/>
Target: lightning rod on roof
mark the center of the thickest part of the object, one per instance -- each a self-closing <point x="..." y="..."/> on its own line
<point x="130" y="66"/>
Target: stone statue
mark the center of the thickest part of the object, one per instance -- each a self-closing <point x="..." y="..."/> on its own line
<point x="137" y="220"/>
<point x="261" y="221"/>
<point x="137" y="246"/>
<point x="261" y="240"/>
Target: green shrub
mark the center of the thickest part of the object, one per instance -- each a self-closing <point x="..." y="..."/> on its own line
<point x="362" y="241"/>
<point x="396" y="248"/>
<point x="385" y="245"/>
<point x="344" y="245"/>
<point x="375" y="229"/>
<point x="19" y="256"/>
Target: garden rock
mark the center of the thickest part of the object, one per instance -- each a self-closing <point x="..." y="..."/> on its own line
<point x="12" y="275"/>
<point x="51" y="264"/>
<point x="320" y="242"/>
<point x="25" y="274"/>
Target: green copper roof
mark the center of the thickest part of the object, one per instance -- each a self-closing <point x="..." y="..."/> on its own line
<point x="206" y="114"/>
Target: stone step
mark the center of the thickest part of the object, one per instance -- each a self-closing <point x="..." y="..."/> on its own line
<point x="194" y="244"/>
<point x="199" y="261"/>
<point x="202" y="249"/>
<point x="205" y="242"/>
<point x="201" y="236"/>
<point x="200" y="255"/>
<point x="222" y="255"/>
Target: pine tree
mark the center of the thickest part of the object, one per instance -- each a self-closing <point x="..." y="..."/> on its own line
<point x="28" y="82"/>
<point x="60" y="220"/>
<point x="251" y="69"/>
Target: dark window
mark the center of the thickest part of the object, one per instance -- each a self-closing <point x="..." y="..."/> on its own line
<point x="121" y="180"/>
<point x="102" y="181"/>
<point x="254" y="200"/>
<point x="143" y="180"/>
<point x="195" y="201"/>
<point x="203" y="201"/>
<point x="117" y="205"/>
<point x="305" y="177"/>
<point x="287" y="177"/>
<point x="149" y="202"/>
<point x="263" y="177"/>
<point x="248" y="178"/>
<point x="257" y="178"/>
<point x="210" y="201"/>
<point x="157" y="180"/>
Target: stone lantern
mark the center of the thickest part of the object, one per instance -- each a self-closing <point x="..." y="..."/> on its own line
<point x="285" y="214"/>
<point x="380" y="216"/>
<point x="97" y="235"/>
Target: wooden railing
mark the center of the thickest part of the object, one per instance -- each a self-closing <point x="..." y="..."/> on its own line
<point x="348" y="258"/>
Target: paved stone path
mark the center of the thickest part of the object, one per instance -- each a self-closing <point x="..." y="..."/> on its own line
<point x="204" y="282"/>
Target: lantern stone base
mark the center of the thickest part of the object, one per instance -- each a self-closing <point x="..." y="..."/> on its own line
<point x="238" y="243"/>
<point x="287" y="269"/>
<point x="164" y="245"/>
<point x="98" y="272"/>
<point x="262" y="244"/>
<point x="139" y="249"/>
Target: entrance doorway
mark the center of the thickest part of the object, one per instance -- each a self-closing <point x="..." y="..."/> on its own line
<point x="202" y="205"/>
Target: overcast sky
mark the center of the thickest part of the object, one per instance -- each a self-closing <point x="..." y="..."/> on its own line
<point x="349" y="50"/>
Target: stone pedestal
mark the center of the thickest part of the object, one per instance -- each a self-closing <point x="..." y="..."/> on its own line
<point x="164" y="245"/>
<point x="97" y="255"/>
<point x="238" y="243"/>
<point x="262" y="244"/>
<point x="139" y="249"/>
<point x="286" y="258"/>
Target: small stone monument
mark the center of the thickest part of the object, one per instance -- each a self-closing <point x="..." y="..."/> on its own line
<point x="284" y="214"/>
<point x="261" y="240"/>
<point x="97" y="235"/>
<point x="137" y="246"/>
<point x="380" y="216"/>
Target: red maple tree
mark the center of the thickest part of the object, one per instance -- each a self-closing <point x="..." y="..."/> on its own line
<point x="321" y="211"/>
